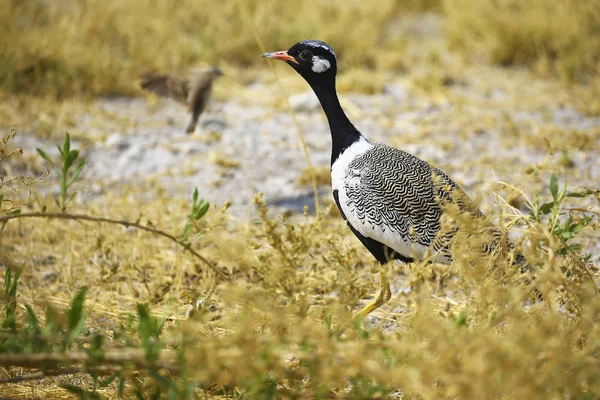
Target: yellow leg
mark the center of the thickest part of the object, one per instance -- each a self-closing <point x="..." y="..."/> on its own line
<point x="383" y="297"/>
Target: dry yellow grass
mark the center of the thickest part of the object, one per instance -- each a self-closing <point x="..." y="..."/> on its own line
<point x="92" y="47"/>
<point x="323" y="176"/>
<point x="550" y="35"/>
<point x="464" y="331"/>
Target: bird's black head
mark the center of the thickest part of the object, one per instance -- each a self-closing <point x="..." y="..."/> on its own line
<point x="313" y="59"/>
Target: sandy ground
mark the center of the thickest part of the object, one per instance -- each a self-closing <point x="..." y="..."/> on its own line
<point x="240" y="148"/>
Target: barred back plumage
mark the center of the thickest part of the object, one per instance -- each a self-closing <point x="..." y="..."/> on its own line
<point x="395" y="198"/>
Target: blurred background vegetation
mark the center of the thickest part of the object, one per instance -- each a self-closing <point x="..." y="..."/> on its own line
<point x="97" y="47"/>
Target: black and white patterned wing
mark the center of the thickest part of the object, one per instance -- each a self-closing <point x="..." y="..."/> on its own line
<point x="390" y="196"/>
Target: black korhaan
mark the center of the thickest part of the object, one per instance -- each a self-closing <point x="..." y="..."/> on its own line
<point x="391" y="200"/>
<point x="193" y="92"/>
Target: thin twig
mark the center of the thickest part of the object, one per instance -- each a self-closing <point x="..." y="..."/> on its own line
<point x="39" y="336"/>
<point x="107" y="346"/>
<point x="135" y="357"/>
<point x="82" y="217"/>
<point x="101" y="370"/>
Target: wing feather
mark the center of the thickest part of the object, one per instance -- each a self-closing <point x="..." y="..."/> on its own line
<point x="167" y="86"/>
<point x="398" y="199"/>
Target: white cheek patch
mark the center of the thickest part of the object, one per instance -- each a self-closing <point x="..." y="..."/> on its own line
<point x="320" y="64"/>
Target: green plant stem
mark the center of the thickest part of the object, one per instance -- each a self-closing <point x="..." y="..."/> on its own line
<point x="63" y="190"/>
<point x="82" y="217"/>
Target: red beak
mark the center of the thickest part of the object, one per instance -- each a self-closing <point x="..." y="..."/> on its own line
<point x="280" y="55"/>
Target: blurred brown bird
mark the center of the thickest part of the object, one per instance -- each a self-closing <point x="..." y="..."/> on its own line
<point x="194" y="91"/>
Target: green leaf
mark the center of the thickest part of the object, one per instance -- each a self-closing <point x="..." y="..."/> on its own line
<point x="10" y="301"/>
<point x="67" y="145"/>
<point x="61" y="152"/>
<point x="70" y="159"/>
<point x="156" y="394"/>
<point x="186" y="232"/>
<point x="554" y="187"/>
<point x="83" y="394"/>
<point x="149" y="327"/>
<point x="546" y="208"/>
<point x="139" y="395"/>
<point x="583" y="193"/>
<point x="7" y="278"/>
<point x="582" y="224"/>
<point x="74" y="389"/>
<point x="575" y="246"/>
<point x="202" y="209"/>
<point x="10" y="283"/>
<point x="33" y="325"/>
<point x="121" y="387"/>
<point x="75" y="316"/>
<point x="161" y="380"/>
<point x="199" y="209"/>
<point x="47" y="158"/>
<point x="96" y="350"/>
<point x="107" y="381"/>
<point x="563" y="251"/>
<point x="70" y="198"/>
<point x="174" y="394"/>
<point x="566" y="235"/>
<point x="577" y="194"/>
<point x="32" y="319"/>
<point x="462" y="318"/>
<point x="15" y="211"/>
<point x="149" y="331"/>
<point x="77" y="172"/>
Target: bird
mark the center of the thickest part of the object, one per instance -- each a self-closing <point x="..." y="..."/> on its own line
<point x="193" y="92"/>
<point x="391" y="200"/>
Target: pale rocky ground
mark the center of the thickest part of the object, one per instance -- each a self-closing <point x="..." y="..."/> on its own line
<point x="241" y="149"/>
<point x="249" y="144"/>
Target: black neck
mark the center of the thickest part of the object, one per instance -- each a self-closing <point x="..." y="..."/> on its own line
<point x="343" y="133"/>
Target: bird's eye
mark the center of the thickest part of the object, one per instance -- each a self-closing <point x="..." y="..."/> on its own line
<point x="306" y="55"/>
